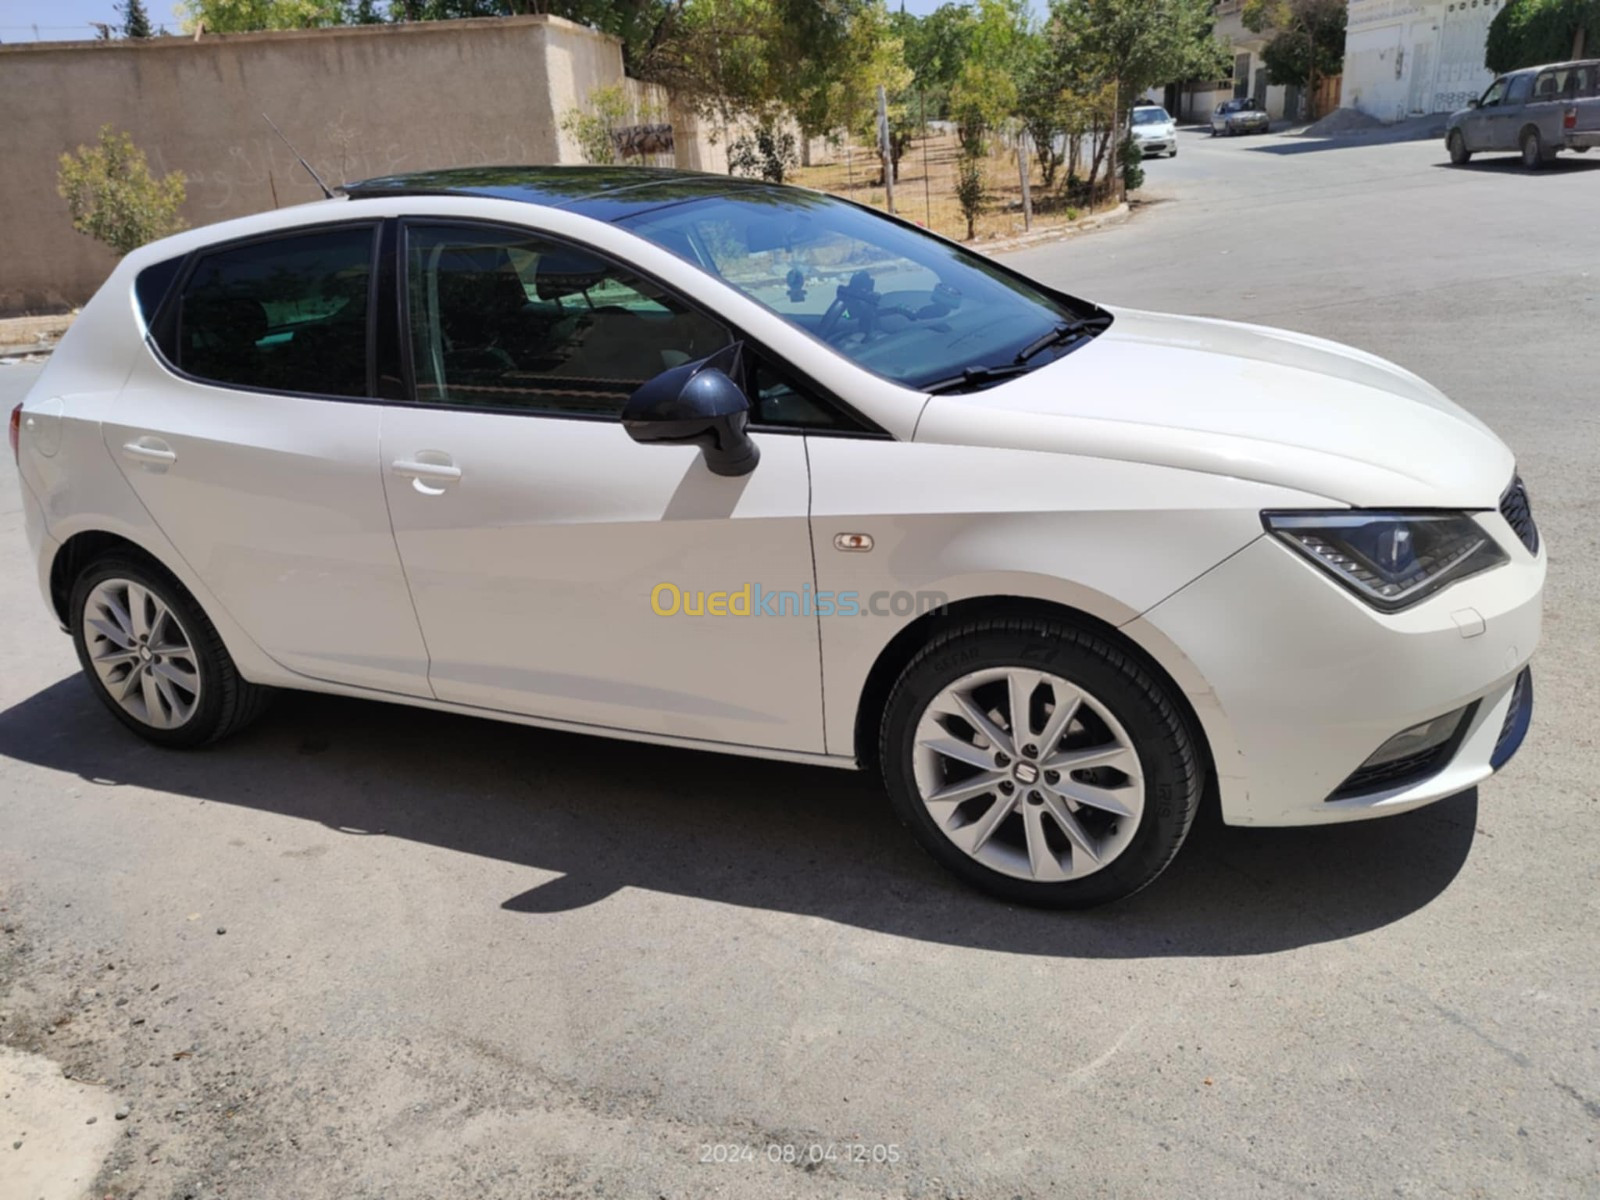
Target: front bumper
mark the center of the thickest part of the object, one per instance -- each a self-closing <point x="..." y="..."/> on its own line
<point x="1157" y="145"/>
<point x="1310" y="680"/>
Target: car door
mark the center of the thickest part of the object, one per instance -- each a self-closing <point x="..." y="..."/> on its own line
<point x="1478" y="125"/>
<point x="559" y="569"/>
<point x="1506" y="118"/>
<point x="249" y="437"/>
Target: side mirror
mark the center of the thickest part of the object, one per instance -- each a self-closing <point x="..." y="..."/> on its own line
<point x="697" y="404"/>
<point x="1472" y="104"/>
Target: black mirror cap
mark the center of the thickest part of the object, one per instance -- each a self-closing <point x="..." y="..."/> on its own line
<point x="698" y="404"/>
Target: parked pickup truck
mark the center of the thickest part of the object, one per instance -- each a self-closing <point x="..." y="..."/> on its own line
<point x="1536" y="112"/>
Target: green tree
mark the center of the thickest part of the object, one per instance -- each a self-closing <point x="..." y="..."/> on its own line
<point x="135" y="20"/>
<point x="1307" y="42"/>
<point x="1138" y="44"/>
<point x="985" y="92"/>
<point x="936" y="47"/>
<point x="1526" y="33"/>
<point x="112" y="196"/>
<point x="1044" y="104"/>
<point x="245" y="16"/>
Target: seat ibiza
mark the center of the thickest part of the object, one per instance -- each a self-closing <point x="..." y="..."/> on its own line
<point x="750" y="469"/>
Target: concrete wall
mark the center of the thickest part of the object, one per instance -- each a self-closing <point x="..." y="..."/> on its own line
<point x="1410" y="57"/>
<point x="357" y="102"/>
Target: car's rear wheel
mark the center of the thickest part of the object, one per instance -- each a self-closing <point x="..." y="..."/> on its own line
<point x="1457" y="145"/>
<point x="154" y="659"/>
<point x="1534" y="154"/>
<point x="1039" y="762"/>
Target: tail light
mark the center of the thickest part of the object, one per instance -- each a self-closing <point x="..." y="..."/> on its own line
<point x="16" y="431"/>
<point x="1569" y="119"/>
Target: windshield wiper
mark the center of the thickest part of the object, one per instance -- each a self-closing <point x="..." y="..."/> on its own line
<point x="1064" y="332"/>
<point x="975" y="376"/>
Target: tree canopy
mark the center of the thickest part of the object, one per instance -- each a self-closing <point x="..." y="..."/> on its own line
<point x="1526" y="33"/>
<point x="1307" y="37"/>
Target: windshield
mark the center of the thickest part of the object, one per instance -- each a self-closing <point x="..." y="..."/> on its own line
<point x="901" y="303"/>
<point x="1150" y="116"/>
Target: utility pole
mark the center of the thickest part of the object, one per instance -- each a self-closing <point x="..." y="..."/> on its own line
<point x="886" y="148"/>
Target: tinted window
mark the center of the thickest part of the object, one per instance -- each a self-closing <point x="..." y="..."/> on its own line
<point x="287" y="315"/>
<point x="153" y="284"/>
<point x="504" y="319"/>
<point x="909" y="306"/>
<point x="1520" y="89"/>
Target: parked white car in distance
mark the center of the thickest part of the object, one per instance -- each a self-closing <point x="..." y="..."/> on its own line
<point x="545" y="444"/>
<point x="1155" y="131"/>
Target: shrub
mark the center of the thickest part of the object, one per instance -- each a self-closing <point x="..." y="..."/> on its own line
<point x="970" y="191"/>
<point x="592" y="128"/>
<point x="112" y="196"/>
<point x="1130" y="155"/>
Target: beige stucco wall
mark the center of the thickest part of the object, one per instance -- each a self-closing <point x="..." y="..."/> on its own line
<point x="357" y="102"/>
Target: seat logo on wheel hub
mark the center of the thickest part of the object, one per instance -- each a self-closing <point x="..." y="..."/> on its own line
<point x="1026" y="772"/>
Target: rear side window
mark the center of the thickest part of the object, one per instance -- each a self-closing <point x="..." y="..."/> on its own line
<point x="287" y="314"/>
<point x="152" y="286"/>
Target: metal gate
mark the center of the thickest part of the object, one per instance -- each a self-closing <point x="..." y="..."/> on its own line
<point x="1421" y="77"/>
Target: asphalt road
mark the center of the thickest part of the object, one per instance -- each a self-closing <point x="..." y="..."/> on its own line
<point x="465" y="959"/>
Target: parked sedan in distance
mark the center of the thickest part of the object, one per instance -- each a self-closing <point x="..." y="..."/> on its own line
<point x="1242" y="115"/>
<point x="744" y="468"/>
<point x="1537" y="113"/>
<point x="1155" y="131"/>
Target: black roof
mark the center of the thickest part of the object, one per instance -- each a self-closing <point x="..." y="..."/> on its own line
<point x="607" y="193"/>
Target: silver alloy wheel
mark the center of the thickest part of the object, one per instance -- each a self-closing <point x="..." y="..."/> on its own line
<point x="1028" y="774"/>
<point x="142" y="653"/>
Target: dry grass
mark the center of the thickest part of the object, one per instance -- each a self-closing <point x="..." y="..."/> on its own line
<point x="926" y="189"/>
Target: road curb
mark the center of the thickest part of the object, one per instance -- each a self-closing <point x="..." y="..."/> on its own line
<point x="1022" y="241"/>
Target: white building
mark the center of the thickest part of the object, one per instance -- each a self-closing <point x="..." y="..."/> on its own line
<point x="1405" y="58"/>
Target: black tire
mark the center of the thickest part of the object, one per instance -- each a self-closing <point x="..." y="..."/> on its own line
<point x="1457" y="145"/>
<point x="1168" y="752"/>
<point x="226" y="703"/>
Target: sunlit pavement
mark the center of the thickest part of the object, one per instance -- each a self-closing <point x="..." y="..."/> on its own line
<point x="476" y="960"/>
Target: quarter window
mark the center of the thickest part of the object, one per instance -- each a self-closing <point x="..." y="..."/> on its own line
<point x="505" y="319"/>
<point x="288" y="314"/>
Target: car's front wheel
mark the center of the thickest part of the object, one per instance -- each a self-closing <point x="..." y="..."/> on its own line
<point x="154" y="658"/>
<point x="1457" y="145"/>
<point x="1040" y="762"/>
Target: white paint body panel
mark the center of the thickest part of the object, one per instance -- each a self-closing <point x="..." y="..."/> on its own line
<point x="533" y="574"/>
<point x="1125" y="480"/>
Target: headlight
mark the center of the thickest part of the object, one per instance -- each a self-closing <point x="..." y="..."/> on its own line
<point x="1390" y="559"/>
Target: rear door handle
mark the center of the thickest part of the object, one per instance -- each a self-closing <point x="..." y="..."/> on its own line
<point x="430" y="472"/>
<point x="150" y="451"/>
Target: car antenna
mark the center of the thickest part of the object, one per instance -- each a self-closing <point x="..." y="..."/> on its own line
<point x="326" y="190"/>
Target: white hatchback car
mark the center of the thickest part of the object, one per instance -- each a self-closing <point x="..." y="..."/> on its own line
<point x="751" y="469"/>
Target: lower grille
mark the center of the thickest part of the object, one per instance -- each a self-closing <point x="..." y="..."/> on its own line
<point x="1403" y="772"/>
<point x="1514" y="507"/>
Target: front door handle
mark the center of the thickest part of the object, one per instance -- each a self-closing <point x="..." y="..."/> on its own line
<point x="150" y="452"/>
<point x="430" y="471"/>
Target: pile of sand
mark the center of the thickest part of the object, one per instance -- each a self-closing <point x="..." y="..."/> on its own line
<point x="1341" y="120"/>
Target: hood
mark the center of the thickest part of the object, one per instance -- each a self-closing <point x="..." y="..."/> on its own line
<point x="1245" y="401"/>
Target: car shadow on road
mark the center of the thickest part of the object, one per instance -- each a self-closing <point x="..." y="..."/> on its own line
<point x="805" y="840"/>
<point x="1511" y="164"/>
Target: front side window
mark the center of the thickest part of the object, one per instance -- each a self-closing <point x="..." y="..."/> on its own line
<point x="908" y="306"/>
<point x="1520" y="89"/>
<point x="1495" y="94"/>
<point x="505" y="319"/>
<point x="286" y="314"/>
